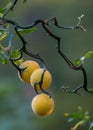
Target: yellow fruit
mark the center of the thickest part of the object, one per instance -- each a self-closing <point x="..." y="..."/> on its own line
<point x="41" y="77"/>
<point x="42" y="105"/>
<point x="28" y="67"/>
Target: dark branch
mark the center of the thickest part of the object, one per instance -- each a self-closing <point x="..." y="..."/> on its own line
<point x="23" y="49"/>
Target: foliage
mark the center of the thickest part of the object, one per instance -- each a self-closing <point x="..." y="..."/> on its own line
<point x="81" y="118"/>
<point x="81" y="59"/>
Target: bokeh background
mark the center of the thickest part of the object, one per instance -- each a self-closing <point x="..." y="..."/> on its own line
<point x="16" y="96"/>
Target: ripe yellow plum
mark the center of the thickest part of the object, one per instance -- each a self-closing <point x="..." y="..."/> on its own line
<point x="41" y="78"/>
<point x="27" y="68"/>
<point x="42" y="104"/>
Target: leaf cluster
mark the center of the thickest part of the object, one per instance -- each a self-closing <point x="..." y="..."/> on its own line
<point x="81" y="118"/>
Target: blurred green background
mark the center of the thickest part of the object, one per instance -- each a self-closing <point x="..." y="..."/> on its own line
<point x="15" y="96"/>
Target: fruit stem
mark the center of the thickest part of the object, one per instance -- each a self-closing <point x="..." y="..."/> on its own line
<point x="40" y="84"/>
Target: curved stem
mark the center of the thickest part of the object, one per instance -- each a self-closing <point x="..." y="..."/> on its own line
<point x="54" y="19"/>
<point x="17" y="67"/>
<point x="83" y="85"/>
<point x="85" y="79"/>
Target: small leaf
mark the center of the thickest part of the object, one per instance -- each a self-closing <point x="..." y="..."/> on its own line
<point x="81" y="60"/>
<point x="77" y="62"/>
<point x="18" y="62"/>
<point x="31" y="30"/>
<point x="2" y="10"/>
<point x="88" y="54"/>
<point x="3" y="35"/>
<point x="7" y="6"/>
<point x="4" y="60"/>
<point x="16" y="54"/>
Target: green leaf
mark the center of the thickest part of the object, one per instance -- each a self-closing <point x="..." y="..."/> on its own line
<point x="77" y="115"/>
<point x="4" y="60"/>
<point x="81" y="60"/>
<point x="16" y="54"/>
<point x="8" y="5"/>
<point x="31" y="30"/>
<point x="2" y="10"/>
<point x="77" y="62"/>
<point x="3" y="34"/>
<point x="88" y="54"/>
<point x="18" y="62"/>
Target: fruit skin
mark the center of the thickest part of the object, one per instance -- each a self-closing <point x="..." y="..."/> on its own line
<point x="42" y="104"/>
<point x="28" y="67"/>
<point x="37" y="76"/>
